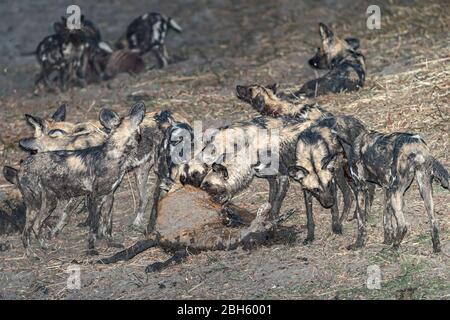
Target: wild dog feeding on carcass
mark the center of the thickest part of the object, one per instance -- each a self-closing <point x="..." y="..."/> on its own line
<point x="344" y="62"/>
<point x="148" y="33"/>
<point x="392" y="161"/>
<point x="188" y="220"/>
<point x="96" y="172"/>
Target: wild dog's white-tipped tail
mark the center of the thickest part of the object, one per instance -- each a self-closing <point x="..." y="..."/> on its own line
<point x="174" y="25"/>
<point x="441" y="174"/>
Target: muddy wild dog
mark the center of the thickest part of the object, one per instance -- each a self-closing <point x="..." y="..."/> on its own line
<point x="344" y="62"/>
<point x="52" y="135"/>
<point x="224" y="175"/>
<point x="320" y="167"/>
<point x="264" y="100"/>
<point x="392" y="161"/>
<point x="95" y="173"/>
<point x="148" y="33"/>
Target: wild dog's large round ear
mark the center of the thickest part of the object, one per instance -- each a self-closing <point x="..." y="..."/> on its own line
<point x="60" y="113"/>
<point x="273" y="87"/>
<point x="220" y="168"/>
<point x="10" y="175"/>
<point x="108" y="118"/>
<point x="353" y="42"/>
<point x="29" y="144"/>
<point x="59" y="27"/>
<point x="325" y="32"/>
<point x="137" y="113"/>
<point x="36" y="122"/>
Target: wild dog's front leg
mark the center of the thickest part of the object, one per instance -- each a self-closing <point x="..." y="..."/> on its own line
<point x="141" y="174"/>
<point x="309" y="217"/>
<point x="280" y="194"/>
<point x="387" y="220"/>
<point x="94" y="223"/>
<point x="159" y="54"/>
<point x="336" y="224"/>
<point x="360" y="207"/>
<point x="66" y="211"/>
<point x="158" y="192"/>
<point x="31" y="215"/>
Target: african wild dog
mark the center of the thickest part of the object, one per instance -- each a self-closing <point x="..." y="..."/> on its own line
<point x="392" y="161"/>
<point x="51" y="135"/>
<point x="56" y="54"/>
<point x="148" y="33"/>
<point x="264" y="100"/>
<point x="320" y="167"/>
<point x="344" y="62"/>
<point x="95" y="173"/>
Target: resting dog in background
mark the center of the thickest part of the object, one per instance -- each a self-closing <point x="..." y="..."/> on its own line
<point x="148" y="33"/>
<point x="392" y="161"/>
<point x="344" y="62"/>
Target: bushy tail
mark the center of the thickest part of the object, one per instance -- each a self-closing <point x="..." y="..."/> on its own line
<point x="174" y="25"/>
<point x="441" y="174"/>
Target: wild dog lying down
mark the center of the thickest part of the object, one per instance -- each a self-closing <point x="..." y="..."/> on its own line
<point x="148" y="33"/>
<point x="189" y="220"/>
<point x="320" y="167"/>
<point x="96" y="172"/>
<point x="51" y="135"/>
<point x="392" y="161"/>
<point x="264" y="99"/>
<point x="344" y="62"/>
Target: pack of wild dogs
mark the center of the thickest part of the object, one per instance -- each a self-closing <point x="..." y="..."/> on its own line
<point x="326" y="154"/>
<point x="79" y="55"/>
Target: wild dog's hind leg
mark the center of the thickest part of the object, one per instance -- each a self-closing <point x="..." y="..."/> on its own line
<point x="158" y="192"/>
<point x="160" y="56"/>
<point x="426" y="192"/>
<point x="396" y="202"/>
<point x="66" y="211"/>
<point x="336" y="224"/>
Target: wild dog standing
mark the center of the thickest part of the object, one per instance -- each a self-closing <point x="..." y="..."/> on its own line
<point x="320" y="168"/>
<point x="264" y="100"/>
<point x="392" y="161"/>
<point x="56" y="53"/>
<point x="51" y="135"/>
<point x="95" y="172"/>
<point x="148" y="33"/>
<point x="344" y="62"/>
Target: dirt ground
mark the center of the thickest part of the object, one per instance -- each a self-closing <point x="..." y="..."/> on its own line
<point x="225" y="43"/>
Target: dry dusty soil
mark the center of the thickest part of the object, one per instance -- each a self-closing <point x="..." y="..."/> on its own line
<point x="225" y="43"/>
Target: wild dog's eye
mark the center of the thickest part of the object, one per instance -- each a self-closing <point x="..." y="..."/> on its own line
<point x="56" y="133"/>
<point x="316" y="190"/>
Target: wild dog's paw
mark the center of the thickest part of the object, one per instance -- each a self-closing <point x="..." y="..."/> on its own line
<point x="337" y="228"/>
<point x="308" y="240"/>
